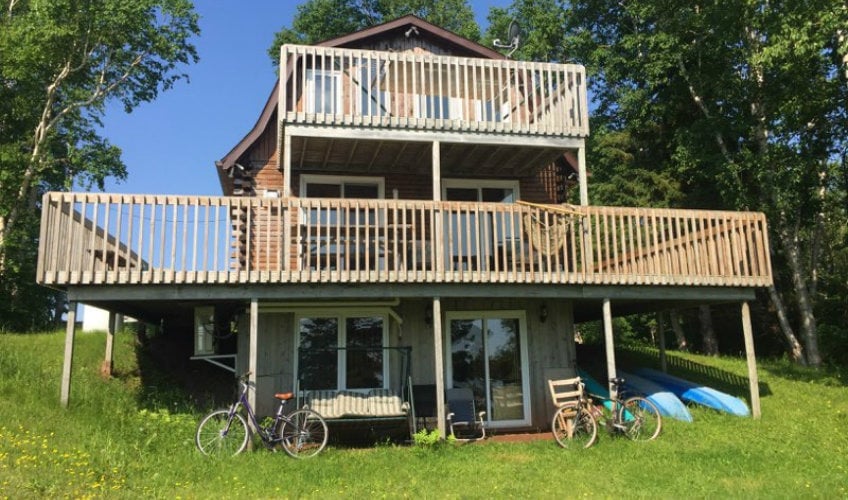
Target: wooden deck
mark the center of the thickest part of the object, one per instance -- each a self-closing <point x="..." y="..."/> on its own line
<point x="414" y="91"/>
<point x="100" y="239"/>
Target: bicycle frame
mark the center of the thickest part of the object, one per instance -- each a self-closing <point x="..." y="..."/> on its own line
<point x="253" y="423"/>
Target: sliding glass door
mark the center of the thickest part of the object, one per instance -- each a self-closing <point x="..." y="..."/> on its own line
<point x="488" y="353"/>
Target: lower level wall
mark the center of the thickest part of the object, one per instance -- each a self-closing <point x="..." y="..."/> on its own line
<point x="549" y="338"/>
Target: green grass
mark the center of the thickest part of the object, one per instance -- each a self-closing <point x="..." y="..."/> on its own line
<point x="124" y="438"/>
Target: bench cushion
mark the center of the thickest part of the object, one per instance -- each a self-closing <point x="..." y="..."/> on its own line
<point x="376" y="403"/>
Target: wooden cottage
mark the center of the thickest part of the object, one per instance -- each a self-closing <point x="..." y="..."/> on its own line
<point x="395" y="218"/>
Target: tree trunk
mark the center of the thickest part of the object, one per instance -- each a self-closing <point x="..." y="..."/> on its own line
<point x="805" y="307"/>
<point x="796" y="351"/>
<point x="707" y="331"/>
<point x="674" y="317"/>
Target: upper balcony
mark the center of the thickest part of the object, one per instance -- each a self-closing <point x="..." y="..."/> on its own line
<point x="426" y="92"/>
<point x="105" y="239"/>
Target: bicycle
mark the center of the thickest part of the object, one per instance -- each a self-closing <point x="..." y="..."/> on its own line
<point x="634" y="416"/>
<point x="301" y="433"/>
<point x="573" y="423"/>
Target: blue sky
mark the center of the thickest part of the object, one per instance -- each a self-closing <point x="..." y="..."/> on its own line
<point x="170" y="145"/>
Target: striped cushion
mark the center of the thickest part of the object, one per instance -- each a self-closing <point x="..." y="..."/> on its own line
<point x="385" y="403"/>
<point x="322" y="402"/>
<point x="351" y="404"/>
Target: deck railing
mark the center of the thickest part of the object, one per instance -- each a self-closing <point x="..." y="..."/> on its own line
<point x="140" y="239"/>
<point x="409" y="90"/>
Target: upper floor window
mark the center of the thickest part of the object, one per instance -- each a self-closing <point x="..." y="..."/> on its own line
<point x="323" y="91"/>
<point x="374" y="100"/>
<point x="438" y="107"/>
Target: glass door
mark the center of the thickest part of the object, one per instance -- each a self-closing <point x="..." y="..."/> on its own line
<point x="488" y="353"/>
<point x="475" y="241"/>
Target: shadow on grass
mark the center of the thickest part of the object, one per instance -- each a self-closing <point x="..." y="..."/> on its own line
<point x="169" y="379"/>
<point x="830" y="376"/>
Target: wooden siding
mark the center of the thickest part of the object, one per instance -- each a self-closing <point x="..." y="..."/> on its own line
<point x="203" y="240"/>
<point x="363" y="88"/>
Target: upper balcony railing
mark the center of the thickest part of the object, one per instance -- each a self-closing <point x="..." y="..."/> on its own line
<point x="90" y="239"/>
<point x="407" y="90"/>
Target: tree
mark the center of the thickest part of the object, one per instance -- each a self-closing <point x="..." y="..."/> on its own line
<point x="542" y="25"/>
<point x="747" y="101"/>
<point x="318" y="20"/>
<point x="60" y="61"/>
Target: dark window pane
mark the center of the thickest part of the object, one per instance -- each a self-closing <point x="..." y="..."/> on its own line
<point x="318" y="362"/>
<point x="364" y="352"/>
<point x="498" y="195"/>
<point x="365" y="191"/>
<point x="467" y="356"/>
<point x="318" y="190"/>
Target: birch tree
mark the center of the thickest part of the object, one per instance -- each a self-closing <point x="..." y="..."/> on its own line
<point x="60" y="62"/>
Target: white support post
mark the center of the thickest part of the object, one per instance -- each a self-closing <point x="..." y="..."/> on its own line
<point x="610" y="347"/>
<point x="582" y="176"/>
<point x="252" y="349"/>
<point x="106" y="366"/>
<point x="440" y="366"/>
<point x="753" y="379"/>
<point x="67" y="365"/>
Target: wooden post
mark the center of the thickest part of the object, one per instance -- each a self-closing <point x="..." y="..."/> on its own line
<point x="286" y="159"/>
<point x="661" y="328"/>
<point x="106" y="366"/>
<point x="69" y="354"/>
<point x="438" y="245"/>
<point x="252" y="348"/>
<point x="440" y="366"/>
<point x="582" y="177"/>
<point x="753" y="379"/>
<point x="610" y="348"/>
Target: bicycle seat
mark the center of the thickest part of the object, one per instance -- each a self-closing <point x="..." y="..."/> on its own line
<point x="618" y="381"/>
<point x="284" y="396"/>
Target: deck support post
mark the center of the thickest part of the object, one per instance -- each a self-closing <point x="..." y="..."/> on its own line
<point x="661" y="335"/>
<point x="753" y="379"/>
<point x="67" y="365"/>
<point x="286" y="161"/>
<point x="253" y="351"/>
<point x="440" y="367"/>
<point x="581" y="176"/>
<point x="106" y="366"/>
<point x="609" y="347"/>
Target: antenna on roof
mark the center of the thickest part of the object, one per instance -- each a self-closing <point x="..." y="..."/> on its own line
<point x="514" y="37"/>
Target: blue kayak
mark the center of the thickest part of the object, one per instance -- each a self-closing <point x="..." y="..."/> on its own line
<point x="666" y="401"/>
<point x="594" y="387"/>
<point x="696" y="393"/>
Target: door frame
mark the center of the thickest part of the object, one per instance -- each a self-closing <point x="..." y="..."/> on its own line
<point x="521" y="316"/>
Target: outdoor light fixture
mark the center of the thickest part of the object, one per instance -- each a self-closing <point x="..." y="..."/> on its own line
<point x="428" y="314"/>
<point x="543" y="314"/>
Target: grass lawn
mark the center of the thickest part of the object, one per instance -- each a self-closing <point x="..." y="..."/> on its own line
<point x="125" y="439"/>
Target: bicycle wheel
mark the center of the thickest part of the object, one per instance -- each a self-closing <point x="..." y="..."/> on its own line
<point x="218" y="435"/>
<point x="641" y="419"/>
<point x="574" y="427"/>
<point x="303" y="433"/>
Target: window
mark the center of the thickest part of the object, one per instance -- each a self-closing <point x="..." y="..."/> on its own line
<point x="323" y="93"/>
<point x="374" y="101"/>
<point x="342" y="351"/>
<point x="438" y="107"/>
<point x="479" y="240"/>
<point x="334" y="186"/>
